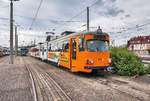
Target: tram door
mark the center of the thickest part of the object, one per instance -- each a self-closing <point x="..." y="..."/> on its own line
<point x="73" y="54"/>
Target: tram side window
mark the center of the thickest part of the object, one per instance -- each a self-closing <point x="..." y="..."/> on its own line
<point x="49" y="48"/>
<point x="59" y="47"/>
<point x="66" y="47"/>
<point x="42" y="50"/>
<point x="74" y="50"/>
<point x="36" y="50"/>
<point x="81" y="44"/>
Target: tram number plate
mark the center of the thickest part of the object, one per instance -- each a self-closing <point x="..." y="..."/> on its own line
<point x="101" y="37"/>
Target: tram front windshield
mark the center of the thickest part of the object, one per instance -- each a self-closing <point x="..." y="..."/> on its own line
<point x="97" y="46"/>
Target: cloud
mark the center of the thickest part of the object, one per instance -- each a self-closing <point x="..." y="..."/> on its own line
<point x="127" y="15"/>
<point x="4" y="1"/>
<point x="114" y="11"/>
<point x="111" y="15"/>
<point x="108" y="8"/>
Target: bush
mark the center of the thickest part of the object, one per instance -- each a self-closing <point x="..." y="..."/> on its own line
<point x="126" y="63"/>
<point x="147" y="69"/>
<point x="148" y="51"/>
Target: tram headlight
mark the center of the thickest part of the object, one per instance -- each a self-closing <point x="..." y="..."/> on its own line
<point x="91" y="61"/>
<point x="109" y="60"/>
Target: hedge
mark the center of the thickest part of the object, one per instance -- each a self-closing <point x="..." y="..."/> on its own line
<point x="126" y="63"/>
<point x="148" y="51"/>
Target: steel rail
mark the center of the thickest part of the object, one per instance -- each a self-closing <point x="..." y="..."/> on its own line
<point x="47" y="75"/>
<point x="69" y="99"/>
<point x="33" y="85"/>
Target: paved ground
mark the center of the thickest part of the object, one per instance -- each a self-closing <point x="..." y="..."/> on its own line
<point x="15" y="84"/>
<point x="14" y="81"/>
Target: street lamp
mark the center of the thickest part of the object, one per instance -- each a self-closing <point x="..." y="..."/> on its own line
<point x="11" y="30"/>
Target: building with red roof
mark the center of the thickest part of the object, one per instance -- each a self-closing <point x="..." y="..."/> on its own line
<point x="139" y="45"/>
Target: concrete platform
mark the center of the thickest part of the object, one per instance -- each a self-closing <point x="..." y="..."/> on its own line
<point x="14" y="81"/>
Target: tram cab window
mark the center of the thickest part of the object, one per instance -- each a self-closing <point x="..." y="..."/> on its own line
<point x="81" y="44"/>
<point x="97" y="46"/>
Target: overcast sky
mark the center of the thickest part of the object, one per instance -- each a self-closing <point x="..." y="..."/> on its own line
<point x="118" y="18"/>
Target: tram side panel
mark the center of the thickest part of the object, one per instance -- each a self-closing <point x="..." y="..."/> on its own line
<point x="77" y="55"/>
<point x="33" y="52"/>
<point x="53" y="57"/>
<point x="45" y="52"/>
<point x="64" y="56"/>
<point x="38" y="51"/>
<point x="64" y="59"/>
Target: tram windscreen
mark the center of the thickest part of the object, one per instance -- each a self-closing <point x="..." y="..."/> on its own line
<point x="97" y="46"/>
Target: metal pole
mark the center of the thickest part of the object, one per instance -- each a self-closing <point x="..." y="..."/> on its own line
<point x="16" y="40"/>
<point x="11" y="32"/>
<point x="17" y="44"/>
<point x="87" y="19"/>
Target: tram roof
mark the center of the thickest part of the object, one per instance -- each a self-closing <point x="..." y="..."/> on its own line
<point x="60" y="38"/>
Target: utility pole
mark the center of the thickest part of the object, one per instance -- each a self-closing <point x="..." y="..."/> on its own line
<point x="16" y="41"/>
<point x="87" y="19"/>
<point x="11" y="32"/>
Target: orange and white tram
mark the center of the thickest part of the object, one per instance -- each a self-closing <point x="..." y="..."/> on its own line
<point x="80" y="52"/>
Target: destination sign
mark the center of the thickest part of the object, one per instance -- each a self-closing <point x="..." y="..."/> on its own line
<point x="101" y="37"/>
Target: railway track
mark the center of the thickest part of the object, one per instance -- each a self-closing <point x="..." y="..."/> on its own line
<point x="49" y="88"/>
<point x="121" y="87"/>
<point x="33" y="84"/>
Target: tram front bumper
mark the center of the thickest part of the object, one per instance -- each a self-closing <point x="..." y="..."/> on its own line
<point x="108" y="68"/>
<point x="96" y="67"/>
